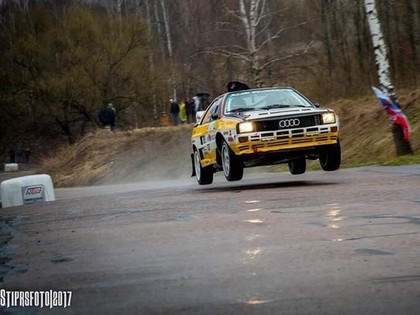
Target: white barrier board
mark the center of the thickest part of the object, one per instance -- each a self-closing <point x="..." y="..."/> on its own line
<point x="11" y="167"/>
<point x="26" y="189"/>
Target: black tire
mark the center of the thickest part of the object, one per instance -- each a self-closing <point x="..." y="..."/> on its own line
<point x="204" y="175"/>
<point x="330" y="158"/>
<point x="233" y="168"/>
<point x="297" y="166"/>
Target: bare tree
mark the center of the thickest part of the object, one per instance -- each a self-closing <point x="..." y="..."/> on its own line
<point x="252" y="22"/>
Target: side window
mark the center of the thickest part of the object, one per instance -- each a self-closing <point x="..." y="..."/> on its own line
<point x="215" y="111"/>
<point x="211" y="111"/>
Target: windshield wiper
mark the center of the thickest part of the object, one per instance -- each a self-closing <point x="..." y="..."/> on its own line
<point x="275" y="106"/>
<point x="241" y="109"/>
<point x="281" y="106"/>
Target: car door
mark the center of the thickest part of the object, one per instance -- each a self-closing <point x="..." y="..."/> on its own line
<point x="204" y="134"/>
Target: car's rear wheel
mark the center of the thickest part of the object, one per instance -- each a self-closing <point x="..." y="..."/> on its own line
<point x="330" y="158"/>
<point x="204" y="175"/>
<point x="297" y="166"/>
<point x="233" y="168"/>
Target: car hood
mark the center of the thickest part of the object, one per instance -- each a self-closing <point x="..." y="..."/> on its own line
<point x="283" y="112"/>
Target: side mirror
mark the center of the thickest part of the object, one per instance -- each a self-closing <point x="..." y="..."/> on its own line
<point x="199" y="115"/>
<point x="317" y="105"/>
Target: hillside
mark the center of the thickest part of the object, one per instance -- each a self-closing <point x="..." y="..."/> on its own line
<point x="157" y="153"/>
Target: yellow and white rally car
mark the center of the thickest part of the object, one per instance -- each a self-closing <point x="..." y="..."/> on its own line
<point x="263" y="126"/>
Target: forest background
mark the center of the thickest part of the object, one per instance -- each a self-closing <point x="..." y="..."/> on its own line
<point x="61" y="61"/>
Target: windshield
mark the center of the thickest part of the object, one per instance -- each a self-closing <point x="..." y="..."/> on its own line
<point x="264" y="99"/>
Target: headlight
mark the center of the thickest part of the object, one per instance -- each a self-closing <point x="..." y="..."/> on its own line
<point x="246" y="127"/>
<point x="328" y="118"/>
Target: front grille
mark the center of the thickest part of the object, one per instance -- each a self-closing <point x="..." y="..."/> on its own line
<point x="270" y="125"/>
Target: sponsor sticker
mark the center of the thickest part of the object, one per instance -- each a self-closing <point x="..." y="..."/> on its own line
<point x="33" y="193"/>
<point x="313" y="134"/>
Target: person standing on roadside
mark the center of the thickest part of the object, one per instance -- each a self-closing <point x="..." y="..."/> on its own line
<point x="174" y="112"/>
<point x="183" y="111"/>
<point x="191" y="113"/>
<point x="107" y="116"/>
<point x="197" y="103"/>
<point x="188" y="111"/>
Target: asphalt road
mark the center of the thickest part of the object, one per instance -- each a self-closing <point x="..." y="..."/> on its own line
<point x="344" y="242"/>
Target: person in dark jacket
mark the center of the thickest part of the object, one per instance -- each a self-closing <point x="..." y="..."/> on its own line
<point x="107" y="116"/>
<point x="190" y="111"/>
<point x="236" y="86"/>
<point x="174" y="112"/>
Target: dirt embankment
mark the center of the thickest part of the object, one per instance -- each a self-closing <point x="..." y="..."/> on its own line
<point x="156" y="153"/>
<point x="365" y="128"/>
<point x="122" y="157"/>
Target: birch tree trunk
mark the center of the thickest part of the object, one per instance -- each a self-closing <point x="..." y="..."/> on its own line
<point x="152" y="64"/>
<point x="159" y="28"/>
<point x="169" y="46"/>
<point x="250" y="20"/>
<point x="402" y="146"/>
<point x="254" y="33"/>
<point x="380" y="48"/>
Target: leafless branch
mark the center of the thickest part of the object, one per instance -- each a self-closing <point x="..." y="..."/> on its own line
<point x="279" y="32"/>
<point x="301" y="53"/>
<point x="226" y="53"/>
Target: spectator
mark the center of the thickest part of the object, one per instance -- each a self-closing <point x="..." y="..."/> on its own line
<point x="183" y="111"/>
<point x="174" y="112"/>
<point x="190" y="109"/>
<point x="236" y="86"/>
<point x="107" y="116"/>
<point x="197" y="103"/>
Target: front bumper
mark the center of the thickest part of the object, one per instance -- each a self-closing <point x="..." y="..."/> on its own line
<point x="285" y="140"/>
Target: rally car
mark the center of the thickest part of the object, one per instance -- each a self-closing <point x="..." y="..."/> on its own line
<point x="263" y="126"/>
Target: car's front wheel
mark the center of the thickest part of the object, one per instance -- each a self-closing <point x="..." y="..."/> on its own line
<point x="297" y="166"/>
<point x="204" y="175"/>
<point x="330" y="158"/>
<point x="233" y="168"/>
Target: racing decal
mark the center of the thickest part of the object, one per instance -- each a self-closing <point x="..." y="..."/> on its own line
<point x="212" y="127"/>
<point x="313" y="133"/>
<point x="208" y="137"/>
<point x="230" y="139"/>
<point x="202" y="139"/>
<point x="33" y="193"/>
<point x="268" y="139"/>
<point x="225" y="133"/>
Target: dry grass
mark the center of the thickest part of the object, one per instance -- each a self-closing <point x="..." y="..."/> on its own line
<point x="365" y="129"/>
<point x="105" y="158"/>
<point x="156" y="153"/>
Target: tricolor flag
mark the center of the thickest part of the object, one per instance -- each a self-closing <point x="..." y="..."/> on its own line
<point x="394" y="111"/>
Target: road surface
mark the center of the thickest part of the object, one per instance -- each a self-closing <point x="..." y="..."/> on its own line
<point x="344" y="242"/>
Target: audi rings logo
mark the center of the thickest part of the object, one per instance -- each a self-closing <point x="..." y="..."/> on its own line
<point x="287" y="123"/>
